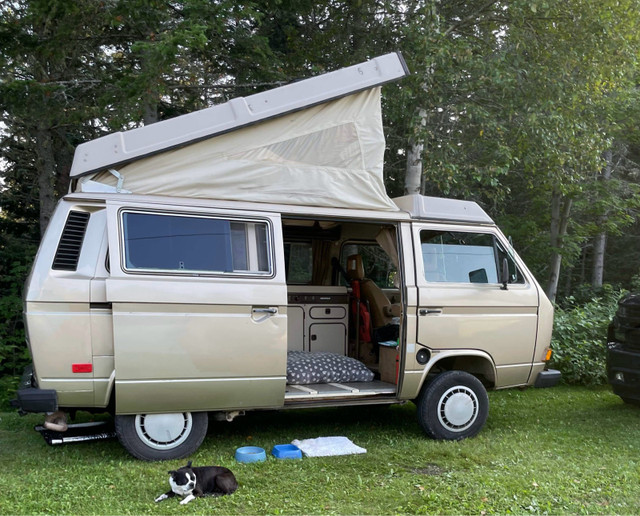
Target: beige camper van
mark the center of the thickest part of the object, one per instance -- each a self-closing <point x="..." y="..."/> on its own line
<point x="247" y="257"/>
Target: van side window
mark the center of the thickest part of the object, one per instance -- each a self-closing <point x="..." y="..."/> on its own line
<point x="165" y="242"/>
<point x="457" y="257"/>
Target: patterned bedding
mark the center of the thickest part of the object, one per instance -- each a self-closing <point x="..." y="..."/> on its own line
<point x="324" y="367"/>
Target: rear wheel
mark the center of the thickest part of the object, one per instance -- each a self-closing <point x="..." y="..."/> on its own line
<point x="162" y="436"/>
<point x="452" y="406"/>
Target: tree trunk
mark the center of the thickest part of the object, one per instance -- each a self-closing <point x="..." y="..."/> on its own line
<point x="599" y="247"/>
<point x="46" y="167"/>
<point x="583" y="265"/>
<point x="64" y="159"/>
<point x="413" y="175"/>
<point x="600" y="240"/>
<point x="560" y="210"/>
<point x="150" y="113"/>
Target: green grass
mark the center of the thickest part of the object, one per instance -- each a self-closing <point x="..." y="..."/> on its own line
<point x="561" y="450"/>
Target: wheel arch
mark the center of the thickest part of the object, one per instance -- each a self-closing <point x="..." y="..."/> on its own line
<point x="109" y="394"/>
<point x="475" y="362"/>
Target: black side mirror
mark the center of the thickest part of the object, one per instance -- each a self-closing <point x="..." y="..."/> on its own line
<point x="504" y="274"/>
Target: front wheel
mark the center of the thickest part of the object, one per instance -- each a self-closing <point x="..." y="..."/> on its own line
<point x="162" y="436"/>
<point x="452" y="406"/>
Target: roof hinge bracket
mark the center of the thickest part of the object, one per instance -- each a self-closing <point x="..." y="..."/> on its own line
<point x="119" y="178"/>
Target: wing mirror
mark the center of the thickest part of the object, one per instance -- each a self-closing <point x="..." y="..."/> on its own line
<point x="504" y="274"/>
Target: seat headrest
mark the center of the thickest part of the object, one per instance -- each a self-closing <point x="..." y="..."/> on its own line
<point x="355" y="270"/>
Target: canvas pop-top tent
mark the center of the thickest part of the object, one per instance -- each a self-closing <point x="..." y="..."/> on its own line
<point x="316" y="142"/>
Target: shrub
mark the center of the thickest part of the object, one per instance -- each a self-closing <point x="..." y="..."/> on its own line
<point x="580" y="334"/>
<point x="8" y="387"/>
<point x="15" y="263"/>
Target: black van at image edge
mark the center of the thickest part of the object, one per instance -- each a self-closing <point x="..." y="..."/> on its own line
<point x="623" y="350"/>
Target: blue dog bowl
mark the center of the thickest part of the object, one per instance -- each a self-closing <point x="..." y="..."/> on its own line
<point x="250" y="454"/>
<point x="286" y="451"/>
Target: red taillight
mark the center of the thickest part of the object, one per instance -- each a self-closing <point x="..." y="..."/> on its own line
<point x="81" y="368"/>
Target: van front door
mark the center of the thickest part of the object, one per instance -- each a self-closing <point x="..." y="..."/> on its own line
<point x="463" y="305"/>
<point x="199" y="308"/>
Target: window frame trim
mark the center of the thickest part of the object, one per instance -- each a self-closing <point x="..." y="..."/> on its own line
<point x="198" y="274"/>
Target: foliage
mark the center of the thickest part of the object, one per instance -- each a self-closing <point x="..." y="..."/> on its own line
<point x="13" y="352"/>
<point x="16" y="254"/>
<point x="511" y="467"/>
<point x="50" y="67"/>
<point x="8" y="387"/>
<point x="579" y="335"/>
<point x="515" y="102"/>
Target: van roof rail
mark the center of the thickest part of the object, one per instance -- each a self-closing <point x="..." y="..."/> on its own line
<point x="126" y="146"/>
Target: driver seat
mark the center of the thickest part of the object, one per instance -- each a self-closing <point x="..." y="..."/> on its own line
<point x="381" y="309"/>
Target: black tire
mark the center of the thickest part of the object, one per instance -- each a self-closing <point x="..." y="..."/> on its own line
<point x="453" y="406"/>
<point x="143" y="436"/>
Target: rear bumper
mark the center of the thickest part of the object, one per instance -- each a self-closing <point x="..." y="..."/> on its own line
<point x="35" y="400"/>
<point x="31" y="399"/>
<point x="623" y="371"/>
<point x="548" y="378"/>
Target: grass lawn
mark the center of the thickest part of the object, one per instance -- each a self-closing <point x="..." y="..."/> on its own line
<point x="561" y="450"/>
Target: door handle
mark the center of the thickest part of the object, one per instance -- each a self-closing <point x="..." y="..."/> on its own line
<point x="430" y="311"/>
<point x="264" y="310"/>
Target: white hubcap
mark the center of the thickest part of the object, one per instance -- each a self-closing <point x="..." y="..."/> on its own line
<point x="163" y="431"/>
<point x="458" y="408"/>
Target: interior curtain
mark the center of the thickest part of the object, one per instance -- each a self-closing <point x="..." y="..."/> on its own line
<point x="321" y="261"/>
<point x="387" y="240"/>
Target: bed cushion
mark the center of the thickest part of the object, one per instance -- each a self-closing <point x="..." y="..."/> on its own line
<point x="324" y="367"/>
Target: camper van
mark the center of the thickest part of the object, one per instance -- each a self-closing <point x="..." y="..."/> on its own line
<point x="247" y="257"/>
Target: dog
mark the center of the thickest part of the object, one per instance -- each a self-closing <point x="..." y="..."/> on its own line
<point x="191" y="482"/>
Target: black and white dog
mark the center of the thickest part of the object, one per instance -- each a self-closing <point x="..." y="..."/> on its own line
<point x="192" y="482"/>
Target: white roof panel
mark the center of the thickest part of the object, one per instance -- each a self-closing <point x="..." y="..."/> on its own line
<point x="438" y="208"/>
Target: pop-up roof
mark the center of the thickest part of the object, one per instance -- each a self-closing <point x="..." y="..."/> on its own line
<point x="316" y="142"/>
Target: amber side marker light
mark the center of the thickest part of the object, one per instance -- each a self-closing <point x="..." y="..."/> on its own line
<point x="547" y="357"/>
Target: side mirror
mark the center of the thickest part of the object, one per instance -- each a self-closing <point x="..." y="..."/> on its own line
<point x="504" y="274"/>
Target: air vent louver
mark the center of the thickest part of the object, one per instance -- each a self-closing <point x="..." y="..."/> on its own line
<point x="68" y="252"/>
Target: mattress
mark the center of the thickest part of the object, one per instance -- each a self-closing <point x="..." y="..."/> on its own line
<point x="305" y="368"/>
